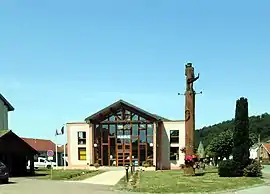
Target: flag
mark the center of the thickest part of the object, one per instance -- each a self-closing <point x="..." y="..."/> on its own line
<point x="61" y="132"/>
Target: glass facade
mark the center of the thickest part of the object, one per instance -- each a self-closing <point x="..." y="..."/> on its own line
<point x="122" y="138"/>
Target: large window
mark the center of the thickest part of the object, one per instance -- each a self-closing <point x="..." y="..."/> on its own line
<point x="81" y="137"/>
<point x="123" y="137"/>
<point x="81" y="153"/>
<point x="174" y="136"/>
<point x="174" y="153"/>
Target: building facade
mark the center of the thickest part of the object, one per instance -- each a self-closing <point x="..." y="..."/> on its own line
<point x="265" y="153"/>
<point x="121" y="134"/>
<point x="5" y="107"/>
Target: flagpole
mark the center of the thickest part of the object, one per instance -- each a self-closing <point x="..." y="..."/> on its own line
<point x="64" y="151"/>
<point x="56" y="152"/>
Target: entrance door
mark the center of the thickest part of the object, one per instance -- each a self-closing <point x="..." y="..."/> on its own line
<point x="124" y="147"/>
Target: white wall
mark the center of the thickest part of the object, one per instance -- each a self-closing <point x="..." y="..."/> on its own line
<point x="3" y="116"/>
<point x="253" y="152"/>
<point x="167" y="126"/>
<point x="72" y="133"/>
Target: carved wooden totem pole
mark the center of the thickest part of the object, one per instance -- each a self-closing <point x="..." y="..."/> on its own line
<point x="190" y="110"/>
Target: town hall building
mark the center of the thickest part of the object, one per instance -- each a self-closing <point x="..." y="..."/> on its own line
<point x="121" y="134"/>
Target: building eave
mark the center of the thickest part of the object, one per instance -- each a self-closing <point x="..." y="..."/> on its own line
<point x="5" y="101"/>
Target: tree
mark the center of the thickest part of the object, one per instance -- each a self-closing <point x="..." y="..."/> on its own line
<point x="221" y="146"/>
<point x="258" y="124"/>
<point x="201" y="151"/>
<point x="241" y="140"/>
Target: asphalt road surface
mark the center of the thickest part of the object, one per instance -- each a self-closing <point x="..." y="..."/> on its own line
<point x="32" y="186"/>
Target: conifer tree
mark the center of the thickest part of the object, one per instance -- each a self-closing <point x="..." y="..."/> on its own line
<point x="201" y="151"/>
<point x="241" y="142"/>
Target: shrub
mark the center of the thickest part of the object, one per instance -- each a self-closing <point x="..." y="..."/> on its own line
<point x="182" y="166"/>
<point x="96" y="165"/>
<point x="145" y="164"/>
<point x="229" y="168"/>
<point x="265" y="162"/>
<point x="254" y="169"/>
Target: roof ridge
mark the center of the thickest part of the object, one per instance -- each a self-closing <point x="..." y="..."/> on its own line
<point x="121" y="101"/>
<point x="37" y="139"/>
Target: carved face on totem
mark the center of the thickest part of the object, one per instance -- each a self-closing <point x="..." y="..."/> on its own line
<point x="189" y="71"/>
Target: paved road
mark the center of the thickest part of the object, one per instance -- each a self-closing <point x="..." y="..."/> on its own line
<point x="32" y="186"/>
<point x="265" y="189"/>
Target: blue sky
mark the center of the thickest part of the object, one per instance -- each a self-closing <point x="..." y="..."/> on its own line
<point x="64" y="60"/>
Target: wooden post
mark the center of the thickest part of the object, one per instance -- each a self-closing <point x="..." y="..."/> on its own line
<point x="190" y="115"/>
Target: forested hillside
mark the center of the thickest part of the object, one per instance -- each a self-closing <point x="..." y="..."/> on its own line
<point x="257" y="123"/>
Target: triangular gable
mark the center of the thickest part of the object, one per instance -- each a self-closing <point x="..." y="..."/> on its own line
<point x="19" y="139"/>
<point x="266" y="147"/>
<point x="121" y="103"/>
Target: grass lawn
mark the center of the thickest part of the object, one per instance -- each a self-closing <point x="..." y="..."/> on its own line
<point x="176" y="182"/>
<point x="66" y="174"/>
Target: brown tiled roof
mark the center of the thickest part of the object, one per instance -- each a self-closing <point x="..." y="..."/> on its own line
<point x="267" y="147"/>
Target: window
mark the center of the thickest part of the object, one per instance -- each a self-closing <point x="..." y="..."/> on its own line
<point x="81" y="153"/>
<point x="174" y="136"/>
<point x="174" y="153"/>
<point x="42" y="161"/>
<point x="81" y="137"/>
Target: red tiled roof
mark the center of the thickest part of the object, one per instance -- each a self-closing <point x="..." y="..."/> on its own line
<point x="43" y="144"/>
<point x="61" y="148"/>
<point x="267" y="147"/>
<point x="40" y="144"/>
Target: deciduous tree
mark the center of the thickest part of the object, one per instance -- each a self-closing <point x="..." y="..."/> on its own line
<point x="221" y="146"/>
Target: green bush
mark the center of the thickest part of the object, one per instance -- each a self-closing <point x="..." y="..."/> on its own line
<point x="229" y="168"/>
<point x="265" y="162"/>
<point x="254" y="169"/>
<point x="145" y="164"/>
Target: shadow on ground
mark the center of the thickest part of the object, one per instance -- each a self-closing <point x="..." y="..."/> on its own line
<point x="9" y="183"/>
<point x="30" y="175"/>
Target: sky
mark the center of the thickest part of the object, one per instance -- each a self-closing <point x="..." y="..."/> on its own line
<point x="61" y="61"/>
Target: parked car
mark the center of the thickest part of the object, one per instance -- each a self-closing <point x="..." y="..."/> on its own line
<point x="4" y="175"/>
<point x="42" y="163"/>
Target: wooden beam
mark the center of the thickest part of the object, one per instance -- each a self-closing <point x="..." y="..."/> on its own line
<point x="114" y="112"/>
<point x="127" y="122"/>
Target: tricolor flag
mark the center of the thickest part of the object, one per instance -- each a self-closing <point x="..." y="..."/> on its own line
<point x="61" y="132"/>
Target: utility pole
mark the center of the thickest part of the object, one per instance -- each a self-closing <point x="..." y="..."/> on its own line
<point x="259" y="144"/>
